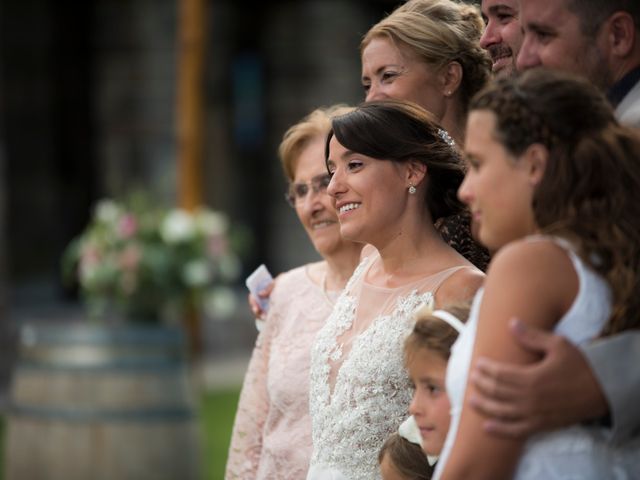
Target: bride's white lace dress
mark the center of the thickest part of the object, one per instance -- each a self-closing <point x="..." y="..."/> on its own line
<point x="359" y="389"/>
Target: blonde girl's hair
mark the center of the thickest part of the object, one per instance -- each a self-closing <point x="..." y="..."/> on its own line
<point x="432" y="333"/>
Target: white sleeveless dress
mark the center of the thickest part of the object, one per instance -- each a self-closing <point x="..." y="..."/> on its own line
<point x="576" y="453"/>
<point x="359" y="389"/>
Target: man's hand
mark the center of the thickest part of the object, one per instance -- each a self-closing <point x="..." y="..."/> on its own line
<point x="520" y="400"/>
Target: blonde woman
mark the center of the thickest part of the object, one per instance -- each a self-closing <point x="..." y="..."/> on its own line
<point x="428" y="52"/>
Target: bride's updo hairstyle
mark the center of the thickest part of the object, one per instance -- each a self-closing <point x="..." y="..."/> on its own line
<point x="590" y="192"/>
<point x="401" y="132"/>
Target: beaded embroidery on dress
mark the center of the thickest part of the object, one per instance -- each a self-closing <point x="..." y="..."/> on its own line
<point x="359" y="389"/>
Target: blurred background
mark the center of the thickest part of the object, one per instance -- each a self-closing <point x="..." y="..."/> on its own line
<point x="92" y="98"/>
<point x="89" y="109"/>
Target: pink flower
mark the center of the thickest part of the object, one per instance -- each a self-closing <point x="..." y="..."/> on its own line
<point x="217" y="245"/>
<point x="128" y="226"/>
<point x="89" y="254"/>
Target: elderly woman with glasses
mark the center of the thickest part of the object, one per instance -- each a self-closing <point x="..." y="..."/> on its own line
<point x="272" y="432"/>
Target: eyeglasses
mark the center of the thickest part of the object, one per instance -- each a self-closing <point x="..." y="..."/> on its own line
<point x="299" y="191"/>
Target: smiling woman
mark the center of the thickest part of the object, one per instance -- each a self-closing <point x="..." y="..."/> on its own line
<point x="393" y="169"/>
<point x="427" y="52"/>
<point x="272" y="431"/>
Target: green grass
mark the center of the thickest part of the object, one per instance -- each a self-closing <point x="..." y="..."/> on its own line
<point x="217" y="415"/>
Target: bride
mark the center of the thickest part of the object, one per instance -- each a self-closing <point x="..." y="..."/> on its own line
<point x="393" y="172"/>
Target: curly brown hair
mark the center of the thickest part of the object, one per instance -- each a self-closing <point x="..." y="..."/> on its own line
<point x="590" y="190"/>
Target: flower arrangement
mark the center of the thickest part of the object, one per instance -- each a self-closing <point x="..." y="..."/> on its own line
<point x="149" y="263"/>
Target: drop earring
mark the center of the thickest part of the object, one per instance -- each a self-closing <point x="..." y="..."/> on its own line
<point x="412" y="190"/>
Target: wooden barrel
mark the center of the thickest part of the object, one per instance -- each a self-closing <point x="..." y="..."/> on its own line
<point x="91" y="402"/>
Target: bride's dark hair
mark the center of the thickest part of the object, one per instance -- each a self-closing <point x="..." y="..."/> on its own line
<point x="402" y="132"/>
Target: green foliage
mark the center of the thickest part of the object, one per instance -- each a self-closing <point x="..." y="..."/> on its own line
<point x="218" y="413"/>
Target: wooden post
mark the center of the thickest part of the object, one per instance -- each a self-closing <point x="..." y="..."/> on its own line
<point x="191" y="27"/>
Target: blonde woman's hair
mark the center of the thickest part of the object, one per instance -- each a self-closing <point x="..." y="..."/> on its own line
<point x="439" y="32"/>
<point x="315" y="125"/>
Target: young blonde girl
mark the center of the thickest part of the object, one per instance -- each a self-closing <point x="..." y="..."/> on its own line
<point x="412" y="452"/>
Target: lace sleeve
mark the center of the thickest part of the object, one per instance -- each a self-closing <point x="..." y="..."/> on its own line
<point x="246" y="440"/>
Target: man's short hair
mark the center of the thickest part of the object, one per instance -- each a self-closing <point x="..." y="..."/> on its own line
<point x="592" y="13"/>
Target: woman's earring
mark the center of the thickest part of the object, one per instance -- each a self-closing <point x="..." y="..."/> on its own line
<point x="412" y="190"/>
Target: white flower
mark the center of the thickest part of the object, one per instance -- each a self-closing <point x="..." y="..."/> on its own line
<point x="196" y="273"/>
<point x="107" y="211"/>
<point x="211" y="223"/>
<point x="177" y="227"/>
<point x="220" y="303"/>
<point x="87" y="273"/>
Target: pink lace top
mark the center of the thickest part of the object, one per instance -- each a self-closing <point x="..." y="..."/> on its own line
<point x="272" y="432"/>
